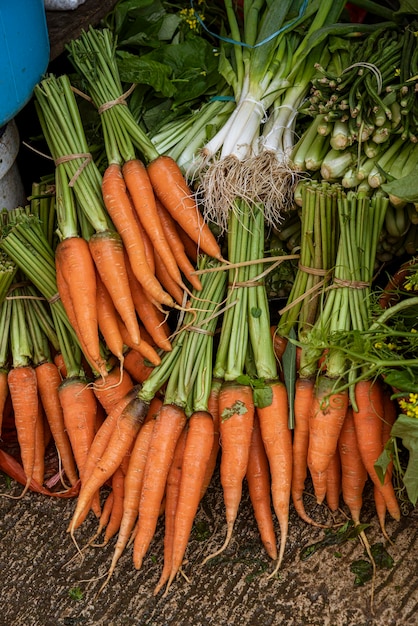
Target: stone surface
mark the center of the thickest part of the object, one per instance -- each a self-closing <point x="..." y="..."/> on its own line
<point x="39" y="567"/>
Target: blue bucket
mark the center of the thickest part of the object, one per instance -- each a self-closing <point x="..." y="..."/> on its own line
<point x="24" y="53"/>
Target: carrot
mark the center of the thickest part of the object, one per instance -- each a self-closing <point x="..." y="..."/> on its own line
<point x="173" y="192"/>
<point x="59" y="362"/>
<point x="277" y="439"/>
<point x="118" y="480"/>
<point x="107" y="320"/>
<point x="75" y="263"/>
<point x="389" y="417"/>
<point x="48" y="381"/>
<point x="79" y="407"/>
<point x="177" y="246"/>
<point x="334" y="483"/>
<point x="166" y="281"/>
<point x="4" y="392"/>
<point x="167" y="429"/>
<point x="171" y="501"/>
<point x="326" y="419"/>
<point x="213" y="409"/>
<point x="39" y="445"/>
<point x="190" y="247"/>
<point x="128" y="425"/>
<point x="304" y="391"/>
<point x="24" y="395"/>
<point x="146" y="349"/>
<point x="236" y="410"/>
<point x="105" y="514"/>
<point x="136" y="365"/>
<point x="279" y="343"/>
<point x="120" y="210"/>
<point x="196" y="455"/>
<point x="368" y="421"/>
<point x="148" y="247"/>
<point x="143" y="198"/>
<point x="109" y="258"/>
<point x="353" y="472"/>
<point x="258" y="479"/>
<point x="153" y="319"/>
<point x="118" y="383"/>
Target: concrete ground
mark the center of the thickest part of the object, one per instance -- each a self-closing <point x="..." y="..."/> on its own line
<point x="44" y="583"/>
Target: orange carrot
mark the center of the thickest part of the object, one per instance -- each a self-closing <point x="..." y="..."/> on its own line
<point x="173" y="192"/>
<point x="146" y="349"/>
<point x="143" y="198"/>
<point x="137" y="366"/>
<point x="172" y="491"/>
<point x="4" y="392"/>
<point x="59" y="362"/>
<point x="123" y="434"/>
<point x="48" y="380"/>
<point x="258" y="479"/>
<point x="213" y="409"/>
<point x="195" y="458"/>
<point x="190" y="247"/>
<point x="165" y="279"/>
<point x="73" y="258"/>
<point x="24" y="395"/>
<point x="368" y="421"/>
<point x="153" y="319"/>
<point x="334" y="483"/>
<point x="326" y="419"/>
<point x="118" y="480"/>
<point x="107" y="320"/>
<point x="117" y="384"/>
<point x="167" y="429"/>
<point x="277" y="439"/>
<point x="39" y="445"/>
<point x="109" y="258"/>
<point x="390" y="414"/>
<point x="353" y="472"/>
<point x="236" y="410"/>
<point x="148" y="247"/>
<point x="120" y="210"/>
<point x="177" y="246"/>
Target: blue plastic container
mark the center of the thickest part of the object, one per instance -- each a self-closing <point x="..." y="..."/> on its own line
<point x="24" y="53"/>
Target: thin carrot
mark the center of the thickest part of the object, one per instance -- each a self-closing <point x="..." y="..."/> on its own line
<point x="258" y="479"/>
<point x="353" y="472"/>
<point x="148" y="247"/>
<point x="39" y="445"/>
<point x="137" y="366"/>
<point x="304" y="391"/>
<point x="334" y="483"/>
<point x="117" y="384"/>
<point x="166" y="281"/>
<point x="172" y="491"/>
<point x="60" y="363"/>
<point x="120" y="210"/>
<point x="195" y="459"/>
<point x="167" y="429"/>
<point x="152" y="318"/>
<point x="173" y="192"/>
<point x="277" y="439"/>
<point x="107" y="320"/>
<point x="48" y="380"/>
<point x="368" y="421"/>
<point x="146" y="349"/>
<point x="236" y="410"/>
<point x="326" y="419"/>
<point x="142" y="194"/>
<point x="121" y="438"/>
<point x="177" y="246"/>
<point x="109" y="258"/>
<point x="75" y="263"/>
<point x="4" y="392"/>
<point x="190" y="247"/>
<point x="118" y="480"/>
<point x="213" y="409"/>
<point x="389" y="417"/>
<point x="24" y="394"/>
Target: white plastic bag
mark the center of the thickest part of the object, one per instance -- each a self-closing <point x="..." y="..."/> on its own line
<point x="62" y="5"/>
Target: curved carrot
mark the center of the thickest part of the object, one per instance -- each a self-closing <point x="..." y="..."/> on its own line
<point x="120" y="210"/>
<point x="118" y="489"/>
<point x="258" y="479"/>
<point x="353" y="472"/>
<point x="172" y="491"/>
<point x="116" y="386"/>
<point x="277" y="439"/>
<point x="143" y="198"/>
<point x="24" y="394"/>
<point x="167" y="429"/>
<point x="173" y="192"/>
<point x="107" y="320"/>
<point x="75" y="263"/>
<point x="368" y="421"/>
<point x="190" y="246"/>
<point x="325" y="423"/>
<point x="236" y="410"/>
<point x="177" y="246"/>
<point x="135" y="363"/>
<point x="195" y="458"/>
<point x="332" y="495"/>
<point x="165" y="279"/>
<point x="146" y="349"/>
<point x="48" y="380"/>
<point x="109" y="258"/>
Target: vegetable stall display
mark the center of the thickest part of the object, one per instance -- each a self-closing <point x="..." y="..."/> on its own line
<point x="141" y="276"/>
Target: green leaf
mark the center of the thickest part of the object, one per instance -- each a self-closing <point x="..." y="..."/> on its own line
<point x="381" y="556"/>
<point x="405" y="188"/>
<point x="409" y="7"/>
<point x="404" y="380"/>
<point x="263" y="396"/>
<point x="134" y="69"/>
<point x="256" y="312"/>
<point x="406" y="428"/>
<point x="363" y="570"/>
<point x="385" y="458"/>
<point x="237" y="408"/>
<point x="289" y="372"/>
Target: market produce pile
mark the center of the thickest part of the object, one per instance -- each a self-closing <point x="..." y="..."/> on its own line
<point x="219" y="270"/>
